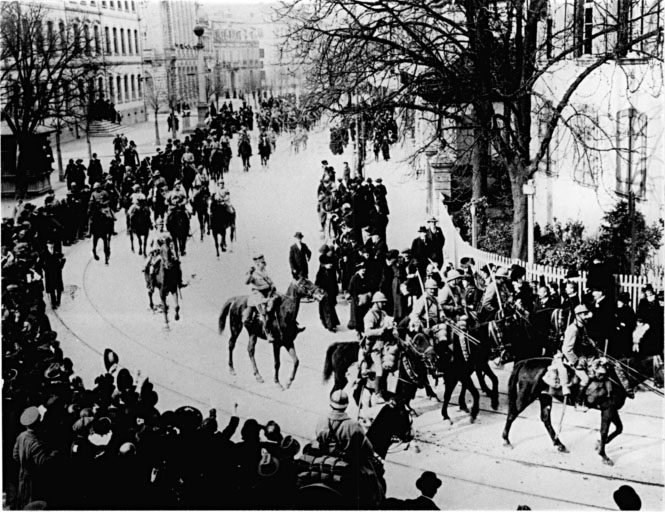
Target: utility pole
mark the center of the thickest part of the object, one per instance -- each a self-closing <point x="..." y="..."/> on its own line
<point x="631" y="196"/>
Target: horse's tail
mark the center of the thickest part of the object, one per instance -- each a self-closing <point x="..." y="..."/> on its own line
<point x="328" y="365"/>
<point x="225" y="312"/>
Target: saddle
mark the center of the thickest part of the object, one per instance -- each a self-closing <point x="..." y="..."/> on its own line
<point x="314" y="466"/>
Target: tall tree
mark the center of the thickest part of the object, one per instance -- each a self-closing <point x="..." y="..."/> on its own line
<point x="48" y="74"/>
<point x="473" y="63"/>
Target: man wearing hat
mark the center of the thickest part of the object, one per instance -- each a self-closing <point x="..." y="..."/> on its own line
<point x="378" y="328"/>
<point x="426" y="309"/>
<point x="262" y="289"/>
<point x="428" y="484"/>
<point x="340" y="436"/>
<point x="299" y="256"/>
<point x="435" y="242"/>
<point x="522" y="292"/>
<point x="360" y="298"/>
<point x="579" y="351"/>
<point x="95" y="170"/>
<point x="30" y="454"/>
<point x="420" y="251"/>
<point x="489" y="304"/>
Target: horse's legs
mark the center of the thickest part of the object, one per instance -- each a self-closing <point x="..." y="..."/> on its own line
<point x="468" y="383"/>
<point x="494" y="392"/>
<point x="607" y="417"/>
<point x="296" y="363"/>
<point x="107" y="248"/>
<point x="514" y="411"/>
<point x="165" y="307"/>
<point x="276" y="349"/>
<point x="150" y="291"/>
<point x="177" y="305"/>
<point x="450" y="382"/>
<point x="201" y="223"/>
<point x="131" y="240"/>
<point x="545" y="417"/>
<point x="462" y="398"/>
<point x="251" y="349"/>
<point x="95" y="239"/>
<point x="214" y="237"/>
<point x="223" y="233"/>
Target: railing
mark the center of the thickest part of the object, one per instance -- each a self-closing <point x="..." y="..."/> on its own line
<point x="457" y="248"/>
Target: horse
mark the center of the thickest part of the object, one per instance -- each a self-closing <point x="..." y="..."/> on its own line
<point x="284" y="325"/>
<point x="158" y="203"/>
<point x="415" y="358"/>
<point x="526" y="384"/>
<point x="167" y="280"/>
<point x="188" y="175"/>
<point x="222" y="217"/>
<point x="200" y="207"/>
<point x="245" y="152"/>
<point x="101" y="226"/>
<point x="177" y="224"/>
<point x="264" y="151"/>
<point x="139" y="223"/>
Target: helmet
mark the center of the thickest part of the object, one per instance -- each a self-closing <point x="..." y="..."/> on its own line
<point x="136" y="187"/>
<point x="96" y="186"/>
<point x="379" y="297"/>
<point x="502" y="272"/>
<point x="339" y="400"/>
<point x="581" y="308"/>
<point x="258" y="257"/>
<point x="430" y="284"/>
<point x="453" y="274"/>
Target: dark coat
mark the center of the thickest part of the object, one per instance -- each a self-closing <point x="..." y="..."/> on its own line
<point x="602" y="324"/>
<point x="435" y="242"/>
<point x="622" y="342"/>
<point x="31" y="456"/>
<point x="420" y="503"/>
<point x="298" y="258"/>
<point x="326" y="279"/>
<point x="357" y="286"/>
<point x="420" y="253"/>
<point x="51" y="265"/>
<point x="390" y="287"/>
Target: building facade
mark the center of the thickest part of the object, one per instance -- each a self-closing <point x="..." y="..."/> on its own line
<point x="609" y="146"/>
<point x="169" y="49"/>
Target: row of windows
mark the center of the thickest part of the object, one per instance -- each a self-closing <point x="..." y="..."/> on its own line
<point x="118" y="42"/>
<point x="120" y="89"/>
<point x="631" y="150"/>
<point x="111" y="4"/>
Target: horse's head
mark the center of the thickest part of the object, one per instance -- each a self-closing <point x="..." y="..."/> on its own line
<point x="303" y="288"/>
<point x="423" y="346"/>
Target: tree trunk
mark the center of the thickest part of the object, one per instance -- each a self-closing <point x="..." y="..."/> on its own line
<point x="156" y="129"/>
<point x="87" y="140"/>
<point x="517" y="180"/>
<point x="58" y="152"/>
<point x="21" y="173"/>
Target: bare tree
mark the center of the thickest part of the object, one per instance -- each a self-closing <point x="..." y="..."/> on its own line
<point x="472" y="63"/>
<point x="48" y="74"/>
<point x="157" y="96"/>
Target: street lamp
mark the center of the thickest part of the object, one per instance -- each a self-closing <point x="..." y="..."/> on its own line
<point x="202" y="106"/>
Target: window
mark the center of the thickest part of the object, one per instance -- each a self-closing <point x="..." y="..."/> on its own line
<point x="548" y="41"/>
<point x="586" y="160"/>
<point x="104" y="4"/>
<point x="107" y="38"/>
<point x="588" y="29"/>
<point x="50" y="36"/>
<point x="133" y="82"/>
<point x="261" y="53"/>
<point x="112" y="4"/>
<point x="122" y="40"/>
<point x="139" y="80"/>
<point x="119" y="84"/>
<point x="86" y="39"/>
<point x="547" y="164"/>
<point x="136" y="42"/>
<point x="126" y="5"/>
<point x="77" y="38"/>
<point x="97" y="41"/>
<point x="631" y="152"/>
<point x="115" y="40"/>
<point x="126" y="80"/>
<point x="129" y="41"/>
<point x="111" y="90"/>
<point x="100" y="87"/>
<point x="625" y="25"/>
<point x="133" y="6"/>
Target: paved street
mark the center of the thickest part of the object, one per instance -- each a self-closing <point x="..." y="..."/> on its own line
<point x="106" y="306"/>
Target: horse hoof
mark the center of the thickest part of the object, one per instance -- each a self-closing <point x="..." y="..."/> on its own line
<point x="507" y="444"/>
<point x="259" y="379"/>
<point x="608" y="461"/>
<point x="96" y="257"/>
<point x="472" y="419"/>
<point x="177" y="317"/>
<point x="494" y="405"/>
<point x="464" y="409"/>
<point x="562" y="448"/>
<point x="288" y="384"/>
<point x="597" y="448"/>
<point x="416" y="449"/>
<point x="279" y="386"/>
<point x="232" y="371"/>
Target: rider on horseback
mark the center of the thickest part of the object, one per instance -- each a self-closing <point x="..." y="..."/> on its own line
<point x="165" y="255"/>
<point x="427" y="311"/>
<point x="222" y="194"/>
<point x="262" y="290"/>
<point x="378" y="330"/>
<point x="578" y="350"/>
<point x="137" y="198"/>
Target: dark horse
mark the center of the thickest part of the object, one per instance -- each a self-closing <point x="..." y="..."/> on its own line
<point x="200" y="207"/>
<point x="414" y="360"/>
<point x="245" y="152"/>
<point x="167" y="281"/>
<point x="139" y="223"/>
<point x="101" y="226"/>
<point x="222" y="217"/>
<point x="177" y="224"/>
<point x="526" y="385"/>
<point x="284" y="325"/>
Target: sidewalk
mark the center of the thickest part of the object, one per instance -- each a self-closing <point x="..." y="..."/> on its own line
<point x="143" y="134"/>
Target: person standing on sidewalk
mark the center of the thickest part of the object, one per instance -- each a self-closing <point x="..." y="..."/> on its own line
<point x="95" y="170"/>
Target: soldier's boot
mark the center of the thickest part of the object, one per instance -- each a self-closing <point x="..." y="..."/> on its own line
<point x="263" y="315"/>
<point x="580" y="399"/>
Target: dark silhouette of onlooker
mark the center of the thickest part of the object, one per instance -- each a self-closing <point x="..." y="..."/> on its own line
<point x="627" y="499"/>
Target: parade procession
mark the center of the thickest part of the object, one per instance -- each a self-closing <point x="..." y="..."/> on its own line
<point x="332" y="255"/>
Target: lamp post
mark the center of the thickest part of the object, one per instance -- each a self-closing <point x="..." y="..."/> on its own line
<point x="202" y="106"/>
<point x="529" y="190"/>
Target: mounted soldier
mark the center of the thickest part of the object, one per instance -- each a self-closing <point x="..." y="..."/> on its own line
<point x="259" y="300"/>
<point x="379" y="329"/>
